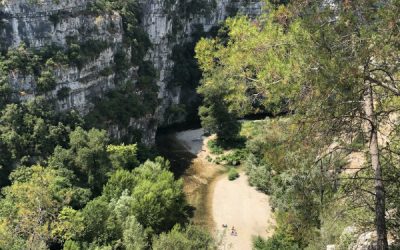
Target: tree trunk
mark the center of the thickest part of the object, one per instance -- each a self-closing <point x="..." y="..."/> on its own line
<point x="380" y="221"/>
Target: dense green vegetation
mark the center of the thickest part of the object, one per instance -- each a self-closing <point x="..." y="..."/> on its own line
<point x="65" y="184"/>
<point x="70" y="188"/>
<point x="336" y="69"/>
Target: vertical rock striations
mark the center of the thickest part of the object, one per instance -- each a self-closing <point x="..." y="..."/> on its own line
<point x="173" y="23"/>
<point x="43" y="24"/>
<point x="77" y="53"/>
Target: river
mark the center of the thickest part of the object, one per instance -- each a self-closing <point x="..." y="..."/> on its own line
<point x="186" y="152"/>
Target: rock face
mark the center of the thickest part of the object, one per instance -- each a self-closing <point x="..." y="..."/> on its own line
<point x="159" y="21"/>
<point x="35" y="25"/>
<point x="41" y="23"/>
<point x="366" y="241"/>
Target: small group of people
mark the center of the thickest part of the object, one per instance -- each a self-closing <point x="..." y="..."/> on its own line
<point x="233" y="230"/>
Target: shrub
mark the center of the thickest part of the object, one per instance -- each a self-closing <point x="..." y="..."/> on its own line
<point x="233" y="174"/>
<point x="46" y="82"/>
<point x="63" y="93"/>
<point x="233" y="158"/>
<point x="214" y="147"/>
<point x="277" y="241"/>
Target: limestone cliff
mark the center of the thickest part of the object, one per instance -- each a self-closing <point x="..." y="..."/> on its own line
<point x="46" y="22"/>
<point x="170" y="24"/>
<point x="101" y="40"/>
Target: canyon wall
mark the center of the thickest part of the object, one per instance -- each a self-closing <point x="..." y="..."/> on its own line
<point x="39" y="24"/>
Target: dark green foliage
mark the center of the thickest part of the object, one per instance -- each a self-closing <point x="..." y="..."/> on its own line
<point x="38" y="63"/>
<point x="140" y="43"/>
<point x="147" y="75"/>
<point x="120" y="105"/>
<point x="46" y="82"/>
<point x="189" y="238"/>
<point x="216" y="118"/>
<point x="55" y="18"/>
<point x="63" y="93"/>
<point x="5" y="88"/>
<point x="147" y="198"/>
<point x="80" y="53"/>
<point x="129" y="100"/>
<point x="22" y="60"/>
<point x="186" y="72"/>
<point x="86" y="155"/>
<point x="119" y="181"/>
<point x="30" y="131"/>
<point x="122" y="64"/>
<point x="123" y="156"/>
<point x="175" y="112"/>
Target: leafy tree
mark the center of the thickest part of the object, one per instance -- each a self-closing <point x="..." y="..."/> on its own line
<point x="5" y="88"/>
<point x="46" y="82"/>
<point x="69" y="224"/>
<point x="22" y="60"/>
<point x="134" y="236"/>
<point x="356" y="84"/>
<point x="33" y="211"/>
<point x="216" y="118"/>
<point x="189" y="238"/>
<point x="334" y="65"/>
<point x="30" y="131"/>
<point x="86" y="156"/>
<point x="158" y="200"/>
<point x="123" y="156"/>
<point x="95" y="216"/>
<point x="277" y="241"/>
<point x="120" y="181"/>
<point x="133" y="207"/>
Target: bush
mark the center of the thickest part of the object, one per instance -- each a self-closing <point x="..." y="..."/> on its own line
<point x="277" y="241"/>
<point x="46" y="82"/>
<point x="233" y="158"/>
<point x="259" y="173"/>
<point x="63" y="93"/>
<point x="214" y="147"/>
<point x="233" y="174"/>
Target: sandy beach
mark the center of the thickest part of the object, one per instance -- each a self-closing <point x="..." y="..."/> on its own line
<point x="238" y="205"/>
<point x="220" y="201"/>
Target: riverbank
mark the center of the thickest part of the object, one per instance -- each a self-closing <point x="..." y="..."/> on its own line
<point x="199" y="177"/>
<point x="220" y="201"/>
